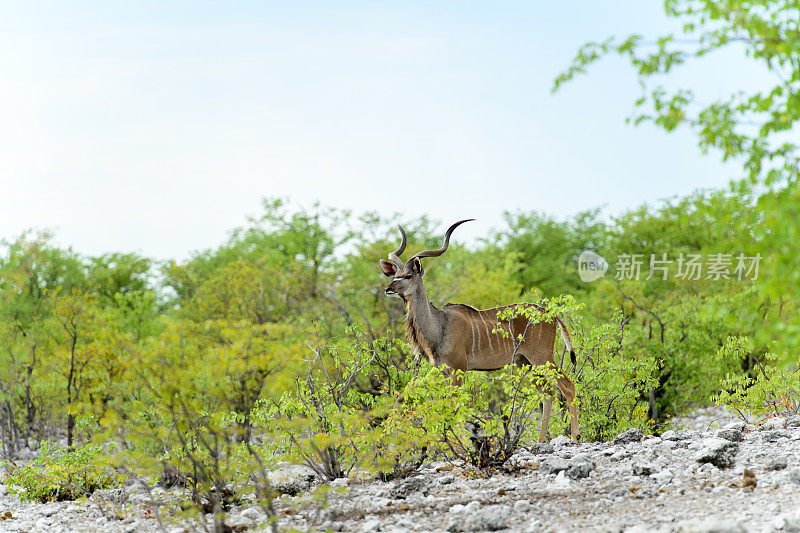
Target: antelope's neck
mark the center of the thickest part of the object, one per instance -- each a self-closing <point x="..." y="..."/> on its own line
<point x="424" y="323"/>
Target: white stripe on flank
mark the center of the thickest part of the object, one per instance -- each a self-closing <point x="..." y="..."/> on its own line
<point x="472" y="330"/>
<point x="487" y="331"/>
<point x="478" y="330"/>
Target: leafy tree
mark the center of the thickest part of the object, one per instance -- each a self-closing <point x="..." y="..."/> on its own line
<point x="754" y="127"/>
<point x="73" y="313"/>
<point x="544" y="252"/>
<point x="117" y="275"/>
<point x="31" y="269"/>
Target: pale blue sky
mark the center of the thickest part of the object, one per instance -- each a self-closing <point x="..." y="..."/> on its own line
<point x="157" y="126"/>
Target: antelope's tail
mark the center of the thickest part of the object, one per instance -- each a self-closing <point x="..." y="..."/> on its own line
<point x="567" y="341"/>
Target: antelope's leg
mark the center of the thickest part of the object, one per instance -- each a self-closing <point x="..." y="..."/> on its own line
<point x="573" y="413"/>
<point x="568" y="388"/>
<point x="456" y="377"/>
<point x="547" y="408"/>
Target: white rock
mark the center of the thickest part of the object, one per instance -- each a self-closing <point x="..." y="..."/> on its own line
<point x="620" y="455"/>
<point x="522" y="506"/>
<point x="490" y="518"/>
<point x="473" y="506"/>
<point x="710" y="525"/>
<point x="561" y="481"/>
<point x="371" y="524"/>
<point x="778" y="422"/>
<point x="553" y="465"/>
<point x="737" y="425"/>
<point x="719" y="452"/>
<point x="251" y="513"/>
<point x="669" y="435"/>
<point x="340" y="482"/>
<point x="778" y="463"/>
<point x="708" y="468"/>
<point x="643" y="468"/>
<point x="663" y="477"/>
<point x="560" y="441"/>
<point x="789" y="522"/>
<point x="292" y="479"/>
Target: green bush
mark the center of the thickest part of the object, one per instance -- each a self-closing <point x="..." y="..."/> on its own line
<point x="186" y="419"/>
<point x="61" y="474"/>
<point x="772" y="391"/>
<point x="613" y="378"/>
<point x="360" y="404"/>
<point x="347" y="410"/>
<point x="612" y="382"/>
<point x="496" y="413"/>
<point x="411" y="420"/>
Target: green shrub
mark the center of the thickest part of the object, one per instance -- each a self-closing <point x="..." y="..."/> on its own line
<point x="613" y="382"/>
<point x="772" y="391"/>
<point x="347" y="410"/>
<point x="613" y="378"/>
<point x="186" y="418"/>
<point x="355" y="408"/>
<point x="61" y="474"/>
<point x="497" y="414"/>
<point x="408" y="420"/>
<point x="360" y="405"/>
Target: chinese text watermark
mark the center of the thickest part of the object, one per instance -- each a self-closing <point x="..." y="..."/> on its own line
<point x="712" y="267"/>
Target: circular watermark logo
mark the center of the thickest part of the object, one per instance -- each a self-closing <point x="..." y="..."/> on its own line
<point x="591" y="266"/>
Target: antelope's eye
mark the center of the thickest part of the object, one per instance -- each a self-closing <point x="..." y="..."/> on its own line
<point x="407" y="277"/>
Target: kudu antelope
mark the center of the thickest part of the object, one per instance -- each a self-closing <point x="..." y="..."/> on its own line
<point x="462" y="337"/>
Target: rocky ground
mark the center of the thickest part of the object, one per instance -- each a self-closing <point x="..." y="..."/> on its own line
<point x="709" y="474"/>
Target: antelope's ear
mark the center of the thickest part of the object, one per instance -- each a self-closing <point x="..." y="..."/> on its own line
<point x="389" y="269"/>
<point x="416" y="265"/>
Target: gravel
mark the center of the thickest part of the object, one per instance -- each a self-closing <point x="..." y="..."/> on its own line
<point x="490" y="518"/>
<point x="631" y="435"/>
<point x="403" y="488"/>
<point x="292" y="479"/>
<point x="718" y="452"/>
<point x="691" y="479"/>
<point x="778" y="463"/>
<point x="580" y="466"/>
<point x="643" y="469"/>
<point x="731" y="434"/>
<point x="553" y="465"/>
